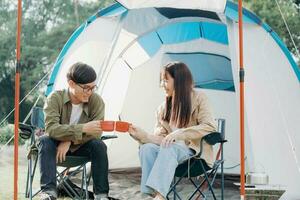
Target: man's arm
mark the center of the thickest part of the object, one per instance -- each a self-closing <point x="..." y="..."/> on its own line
<point x="97" y="111"/>
<point x="97" y="107"/>
<point x="60" y="132"/>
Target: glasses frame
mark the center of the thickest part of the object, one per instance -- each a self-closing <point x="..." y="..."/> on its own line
<point x="87" y="89"/>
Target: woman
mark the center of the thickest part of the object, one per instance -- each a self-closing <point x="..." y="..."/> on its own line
<point x="182" y="120"/>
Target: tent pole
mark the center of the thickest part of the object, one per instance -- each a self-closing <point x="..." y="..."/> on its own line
<point x="17" y="98"/>
<point x="241" y="76"/>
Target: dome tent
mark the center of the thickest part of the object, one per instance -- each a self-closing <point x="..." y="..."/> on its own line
<point x="127" y="44"/>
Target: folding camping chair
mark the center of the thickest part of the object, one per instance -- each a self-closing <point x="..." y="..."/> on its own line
<point x="196" y="167"/>
<point x="63" y="178"/>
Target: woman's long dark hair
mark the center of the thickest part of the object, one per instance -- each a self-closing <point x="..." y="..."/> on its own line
<point x="179" y="107"/>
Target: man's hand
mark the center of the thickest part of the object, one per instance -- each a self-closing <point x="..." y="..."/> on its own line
<point x="92" y="128"/>
<point x="172" y="137"/>
<point x="138" y="134"/>
<point x="62" y="150"/>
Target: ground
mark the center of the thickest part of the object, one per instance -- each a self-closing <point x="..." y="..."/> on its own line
<point x="123" y="184"/>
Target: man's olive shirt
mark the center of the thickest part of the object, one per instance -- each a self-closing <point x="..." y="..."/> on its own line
<point x="57" y="110"/>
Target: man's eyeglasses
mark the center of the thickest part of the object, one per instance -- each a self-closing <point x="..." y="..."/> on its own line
<point x="87" y="89"/>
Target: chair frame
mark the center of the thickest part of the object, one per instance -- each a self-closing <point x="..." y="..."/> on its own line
<point x="29" y="132"/>
<point x="207" y="172"/>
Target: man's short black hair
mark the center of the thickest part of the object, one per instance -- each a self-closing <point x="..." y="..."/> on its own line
<point x="81" y="73"/>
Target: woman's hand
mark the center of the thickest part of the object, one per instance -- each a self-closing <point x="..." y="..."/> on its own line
<point x="138" y="134"/>
<point x="172" y="137"/>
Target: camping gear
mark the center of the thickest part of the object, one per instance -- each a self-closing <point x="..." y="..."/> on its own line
<point x="107" y="125"/>
<point x="256" y="178"/>
<point x="196" y="167"/>
<point x="122" y="126"/>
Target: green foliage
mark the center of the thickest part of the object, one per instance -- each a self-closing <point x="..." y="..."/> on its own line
<point x="6" y="132"/>
<point x="269" y="12"/>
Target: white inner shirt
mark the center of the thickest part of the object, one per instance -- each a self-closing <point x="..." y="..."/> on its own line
<point x="76" y="113"/>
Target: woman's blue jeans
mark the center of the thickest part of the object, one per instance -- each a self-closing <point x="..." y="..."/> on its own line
<point x="159" y="165"/>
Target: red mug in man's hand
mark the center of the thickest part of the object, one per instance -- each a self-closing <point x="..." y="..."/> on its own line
<point x="122" y="126"/>
<point x="107" y="125"/>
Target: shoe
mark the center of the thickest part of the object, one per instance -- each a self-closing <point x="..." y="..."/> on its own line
<point x="46" y="196"/>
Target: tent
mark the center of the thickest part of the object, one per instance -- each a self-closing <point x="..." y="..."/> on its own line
<point x="128" y="42"/>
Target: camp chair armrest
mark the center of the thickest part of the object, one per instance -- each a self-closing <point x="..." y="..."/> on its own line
<point x="107" y="137"/>
<point x="213" y="138"/>
<point x="25" y="130"/>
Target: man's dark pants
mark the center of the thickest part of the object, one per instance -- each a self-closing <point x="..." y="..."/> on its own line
<point x="94" y="149"/>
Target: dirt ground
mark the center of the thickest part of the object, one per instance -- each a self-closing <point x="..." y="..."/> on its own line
<point x="124" y="184"/>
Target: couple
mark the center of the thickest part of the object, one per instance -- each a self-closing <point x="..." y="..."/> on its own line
<point x="72" y="120"/>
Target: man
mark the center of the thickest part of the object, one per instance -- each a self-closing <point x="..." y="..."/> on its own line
<point x="72" y="126"/>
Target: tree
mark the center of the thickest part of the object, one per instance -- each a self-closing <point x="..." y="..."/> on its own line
<point x="268" y="11"/>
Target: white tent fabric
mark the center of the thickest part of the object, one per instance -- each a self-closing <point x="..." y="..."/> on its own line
<point x="128" y="78"/>
<point x="211" y="5"/>
<point x="272" y="117"/>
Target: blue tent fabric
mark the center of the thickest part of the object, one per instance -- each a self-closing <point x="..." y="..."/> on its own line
<point x="231" y="11"/>
<point x="210" y="71"/>
<point x="151" y="43"/>
<point x="183" y="32"/>
<point x="214" y="32"/>
<point x="177" y="13"/>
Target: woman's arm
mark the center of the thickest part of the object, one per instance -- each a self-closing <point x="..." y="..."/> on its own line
<point x="143" y="137"/>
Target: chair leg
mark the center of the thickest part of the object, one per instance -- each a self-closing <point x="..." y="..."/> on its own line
<point x="174" y="189"/>
<point x="28" y="192"/>
<point x="85" y="183"/>
<point x="30" y="176"/>
<point x="209" y="184"/>
<point x="198" y="189"/>
<point x="222" y="173"/>
<point x="61" y="179"/>
<point x="206" y="180"/>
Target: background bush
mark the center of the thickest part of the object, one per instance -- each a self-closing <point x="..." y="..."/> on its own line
<point x="6" y="132"/>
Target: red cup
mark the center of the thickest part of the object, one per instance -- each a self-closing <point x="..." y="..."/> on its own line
<point x="107" y="125"/>
<point x="122" y="126"/>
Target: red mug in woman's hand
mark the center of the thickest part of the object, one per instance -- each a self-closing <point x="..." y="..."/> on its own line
<point x="107" y="125"/>
<point x="122" y="126"/>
